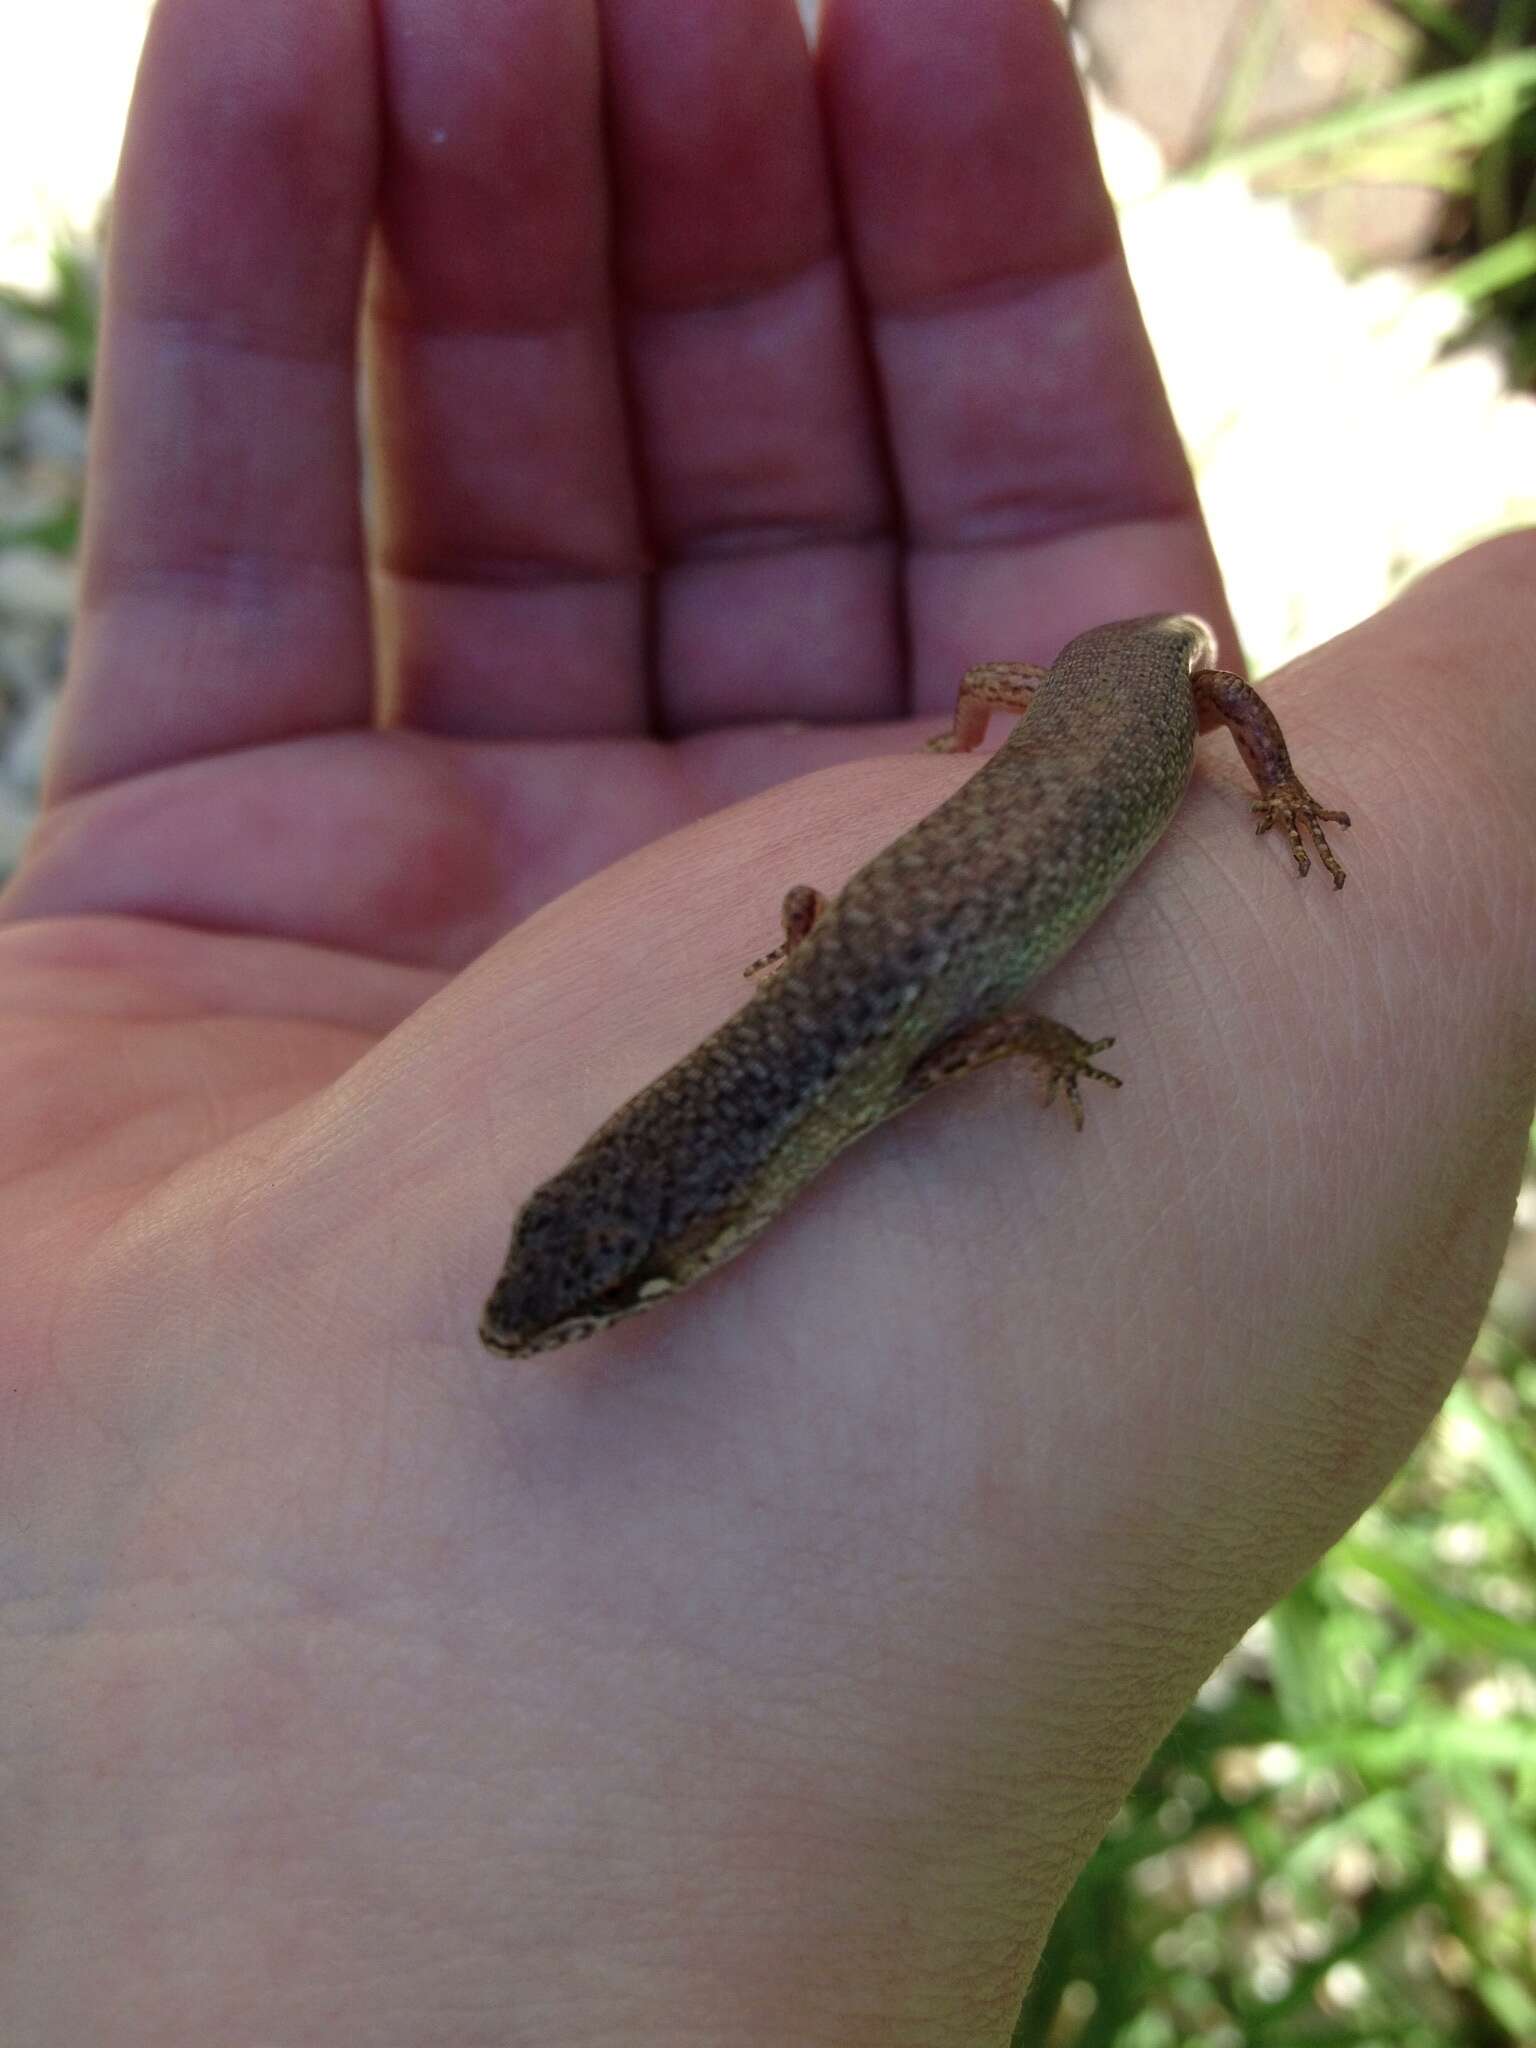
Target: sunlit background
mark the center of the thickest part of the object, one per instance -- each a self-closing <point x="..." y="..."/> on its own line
<point x="1338" y="1844"/>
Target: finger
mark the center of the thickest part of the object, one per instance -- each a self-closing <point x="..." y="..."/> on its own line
<point x="1040" y="473"/>
<point x="511" y="549"/>
<point x="518" y="511"/>
<point x="222" y="603"/>
<point x="765" y="488"/>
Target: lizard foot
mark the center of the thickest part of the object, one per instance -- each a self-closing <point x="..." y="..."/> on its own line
<point x="1290" y="807"/>
<point x="1063" y="1056"/>
<point x="803" y="907"/>
<point x="1072" y="1061"/>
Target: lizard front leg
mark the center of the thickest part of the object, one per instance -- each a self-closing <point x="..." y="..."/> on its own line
<point x="990" y="686"/>
<point x="1063" y="1056"/>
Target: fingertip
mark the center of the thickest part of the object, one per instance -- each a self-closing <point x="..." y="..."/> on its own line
<point x="246" y="185"/>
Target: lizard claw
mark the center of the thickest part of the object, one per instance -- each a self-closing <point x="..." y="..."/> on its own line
<point x="1290" y="807"/>
<point x="1071" y="1062"/>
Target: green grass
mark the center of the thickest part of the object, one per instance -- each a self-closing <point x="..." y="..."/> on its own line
<point x="68" y="309"/>
<point x="1337" y="1844"/>
<point x="68" y="313"/>
<point x="1463" y="125"/>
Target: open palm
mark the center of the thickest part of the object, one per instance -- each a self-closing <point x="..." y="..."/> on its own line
<point x="717" y="414"/>
<point x="664" y="462"/>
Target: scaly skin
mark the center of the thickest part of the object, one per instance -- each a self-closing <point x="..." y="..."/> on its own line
<point x="912" y="976"/>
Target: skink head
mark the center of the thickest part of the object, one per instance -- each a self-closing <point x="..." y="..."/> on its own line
<point x="581" y="1258"/>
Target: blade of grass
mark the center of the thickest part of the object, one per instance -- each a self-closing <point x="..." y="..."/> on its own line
<point x="1419" y="156"/>
<point x="1510" y="1836"/>
<point x="1458" y="1623"/>
<point x="1508" y="2002"/>
<point x="1494" y="87"/>
<point x="1493" y="270"/>
<point x="1245" y="80"/>
<point x="1499" y="1450"/>
<point x="1305" y="1677"/>
<point x="1379" y="1819"/>
<point x="1424" y="1745"/>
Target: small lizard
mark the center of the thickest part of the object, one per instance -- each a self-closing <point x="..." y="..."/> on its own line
<point x="914" y="975"/>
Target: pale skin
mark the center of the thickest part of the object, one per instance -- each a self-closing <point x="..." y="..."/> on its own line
<point x="763" y="1671"/>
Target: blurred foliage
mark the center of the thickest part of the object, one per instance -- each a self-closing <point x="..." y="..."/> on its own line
<point x="1463" y="124"/>
<point x="69" y="310"/>
<point x="66" y="317"/>
<point x="1337" y="1843"/>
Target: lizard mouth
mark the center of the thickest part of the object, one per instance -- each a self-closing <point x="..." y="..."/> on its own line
<point x="521" y="1344"/>
<point x="628" y="1298"/>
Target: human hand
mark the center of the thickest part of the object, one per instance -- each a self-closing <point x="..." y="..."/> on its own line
<point x="767" y="1667"/>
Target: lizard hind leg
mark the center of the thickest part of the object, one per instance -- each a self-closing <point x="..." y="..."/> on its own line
<point x="1283" y="799"/>
<point x="1063" y="1056"/>
<point x="802" y="910"/>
